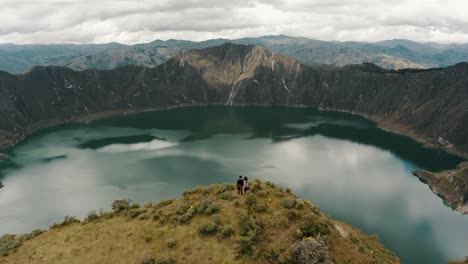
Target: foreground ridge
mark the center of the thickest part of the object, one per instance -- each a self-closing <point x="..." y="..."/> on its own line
<point x="210" y="224"/>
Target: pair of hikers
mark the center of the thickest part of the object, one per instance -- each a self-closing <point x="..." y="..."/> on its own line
<point x="243" y="185"/>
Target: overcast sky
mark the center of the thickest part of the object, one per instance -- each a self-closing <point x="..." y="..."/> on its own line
<point x="125" y="21"/>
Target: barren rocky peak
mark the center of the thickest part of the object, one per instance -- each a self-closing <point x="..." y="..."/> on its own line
<point x="229" y="62"/>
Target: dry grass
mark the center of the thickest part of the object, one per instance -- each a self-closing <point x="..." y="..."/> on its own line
<point x="240" y="233"/>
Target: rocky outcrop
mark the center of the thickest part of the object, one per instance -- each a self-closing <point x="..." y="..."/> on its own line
<point x="430" y="105"/>
<point x="452" y="185"/>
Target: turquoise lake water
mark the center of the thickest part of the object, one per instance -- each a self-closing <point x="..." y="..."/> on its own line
<point x="354" y="171"/>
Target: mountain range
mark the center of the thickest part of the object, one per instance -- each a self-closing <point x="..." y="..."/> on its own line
<point x="429" y="105"/>
<point x="389" y="54"/>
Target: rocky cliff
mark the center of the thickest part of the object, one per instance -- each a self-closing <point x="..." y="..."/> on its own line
<point x="430" y="105"/>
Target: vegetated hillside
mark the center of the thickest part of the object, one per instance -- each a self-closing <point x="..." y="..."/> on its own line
<point x="211" y="224"/>
<point x="390" y="54"/>
<point x="430" y="105"/>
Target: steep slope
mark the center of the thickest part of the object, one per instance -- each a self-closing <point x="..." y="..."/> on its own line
<point x="430" y="105"/>
<point x="211" y="224"/>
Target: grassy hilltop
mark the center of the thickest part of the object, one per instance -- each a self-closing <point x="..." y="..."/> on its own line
<point x="209" y="224"/>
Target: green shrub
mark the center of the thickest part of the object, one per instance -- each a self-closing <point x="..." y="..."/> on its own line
<point x="185" y="218"/>
<point x="293" y="215"/>
<point x="166" y="260"/>
<point x="203" y="205"/>
<point x="288" y="190"/>
<point x="134" y="206"/>
<point x="133" y="213"/>
<point x="270" y="184"/>
<point x="313" y="226"/>
<point x="164" y="203"/>
<point x="92" y="216"/>
<point x="206" y="206"/>
<point x="143" y="216"/>
<point x="212" y="208"/>
<point x="171" y="242"/>
<point x="10" y="243"/>
<point x="250" y="228"/>
<point x="34" y="234"/>
<point x="209" y="228"/>
<point x="121" y="205"/>
<point x="105" y="214"/>
<point x="260" y="207"/>
<point x="227" y="196"/>
<point x="182" y="208"/>
<point x="256" y="186"/>
<point x="66" y="221"/>
<point x="300" y="204"/>
<point x="220" y="188"/>
<point x="250" y="200"/>
<point x="148" y="205"/>
<point x="288" y="203"/>
<point x="227" y="231"/>
<point x="246" y="245"/>
<point x="216" y="219"/>
<point x="156" y="216"/>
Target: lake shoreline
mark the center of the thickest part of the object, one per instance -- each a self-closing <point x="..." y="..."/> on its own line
<point x="393" y="127"/>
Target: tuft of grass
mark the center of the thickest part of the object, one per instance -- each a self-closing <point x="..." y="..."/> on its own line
<point x="260" y="207"/>
<point x="166" y="260"/>
<point x="171" y="242"/>
<point x="250" y="200"/>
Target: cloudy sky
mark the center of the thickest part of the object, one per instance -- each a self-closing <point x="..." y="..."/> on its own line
<point x="131" y="21"/>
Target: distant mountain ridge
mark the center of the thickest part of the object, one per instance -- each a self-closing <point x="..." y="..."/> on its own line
<point x="389" y="54"/>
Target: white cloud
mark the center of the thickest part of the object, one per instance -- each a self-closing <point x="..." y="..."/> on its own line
<point x="131" y="21"/>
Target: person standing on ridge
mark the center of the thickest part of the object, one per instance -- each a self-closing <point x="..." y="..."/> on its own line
<point x="240" y="185"/>
<point x="246" y="185"/>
